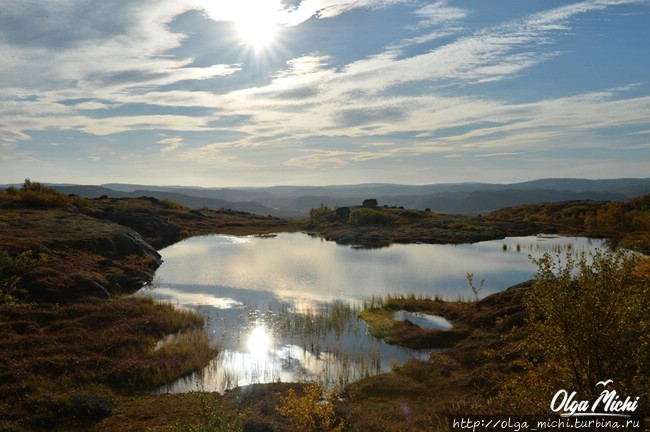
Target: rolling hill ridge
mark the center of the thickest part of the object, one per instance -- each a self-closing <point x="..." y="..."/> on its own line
<point x="457" y="198"/>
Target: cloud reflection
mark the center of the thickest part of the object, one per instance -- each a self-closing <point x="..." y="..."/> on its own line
<point x="297" y="267"/>
<point x="196" y="299"/>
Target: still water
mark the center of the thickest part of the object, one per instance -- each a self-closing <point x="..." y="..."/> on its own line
<point x="283" y="308"/>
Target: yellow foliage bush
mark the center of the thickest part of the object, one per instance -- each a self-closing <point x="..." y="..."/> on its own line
<point x="40" y="195"/>
<point x="314" y="411"/>
<point x="589" y="322"/>
<point x="368" y="216"/>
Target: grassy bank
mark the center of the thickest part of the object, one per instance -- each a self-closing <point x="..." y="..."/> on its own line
<point x="625" y="223"/>
<point x="63" y="365"/>
<point x="461" y="374"/>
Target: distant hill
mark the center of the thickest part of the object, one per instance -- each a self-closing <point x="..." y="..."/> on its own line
<point x="460" y="198"/>
<point x="473" y="198"/>
<point x="186" y="196"/>
<point x="483" y="201"/>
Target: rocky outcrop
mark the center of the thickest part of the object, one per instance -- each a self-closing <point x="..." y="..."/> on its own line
<point x="78" y="255"/>
<point x="151" y="227"/>
<point x="342" y="213"/>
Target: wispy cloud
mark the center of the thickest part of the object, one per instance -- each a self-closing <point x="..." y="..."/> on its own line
<point x="213" y="155"/>
<point x="306" y="9"/>
<point x="110" y="69"/>
<point x="170" y="144"/>
<point x="327" y="159"/>
<point x="350" y="99"/>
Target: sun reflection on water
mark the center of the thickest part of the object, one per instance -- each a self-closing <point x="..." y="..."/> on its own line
<point x="259" y="342"/>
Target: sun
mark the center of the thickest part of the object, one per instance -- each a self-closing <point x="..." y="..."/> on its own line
<point x="256" y="22"/>
<point x="256" y="30"/>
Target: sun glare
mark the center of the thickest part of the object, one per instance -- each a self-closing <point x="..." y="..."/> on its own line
<point x="257" y="22"/>
<point x="257" y="31"/>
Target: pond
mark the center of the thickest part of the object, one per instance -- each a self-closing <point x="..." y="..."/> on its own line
<point x="283" y="308"/>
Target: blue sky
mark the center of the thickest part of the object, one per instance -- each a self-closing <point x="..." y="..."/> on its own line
<point x="268" y="92"/>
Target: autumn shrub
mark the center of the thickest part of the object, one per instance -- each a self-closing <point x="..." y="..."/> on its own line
<point x="214" y="416"/>
<point x="368" y="216"/>
<point x="11" y="191"/>
<point x="40" y="195"/>
<point x="318" y="212"/>
<point x="589" y="322"/>
<point x="476" y="290"/>
<point x="462" y="226"/>
<point x="13" y="268"/>
<point x="172" y="205"/>
<point x="313" y="411"/>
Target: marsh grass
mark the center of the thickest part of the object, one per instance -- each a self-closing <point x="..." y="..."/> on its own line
<point x="178" y="356"/>
<point x="309" y="322"/>
<point x="541" y="247"/>
<point x="325" y="343"/>
<point x="56" y="358"/>
<point x="409" y="301"/>
<point x="379" y="314"/>
<point x="320" y="330"/>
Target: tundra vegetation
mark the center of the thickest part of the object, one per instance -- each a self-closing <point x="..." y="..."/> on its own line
<point x="78" y="353"/>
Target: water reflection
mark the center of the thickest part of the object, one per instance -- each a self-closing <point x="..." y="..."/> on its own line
<point x="284" y="308"/>
<point x="328" y="344"/>
<point x="187" y="298"/>
<point x="259" y="342"/>
<point x="297" y="267"/>
<point x="423" y="320"/>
